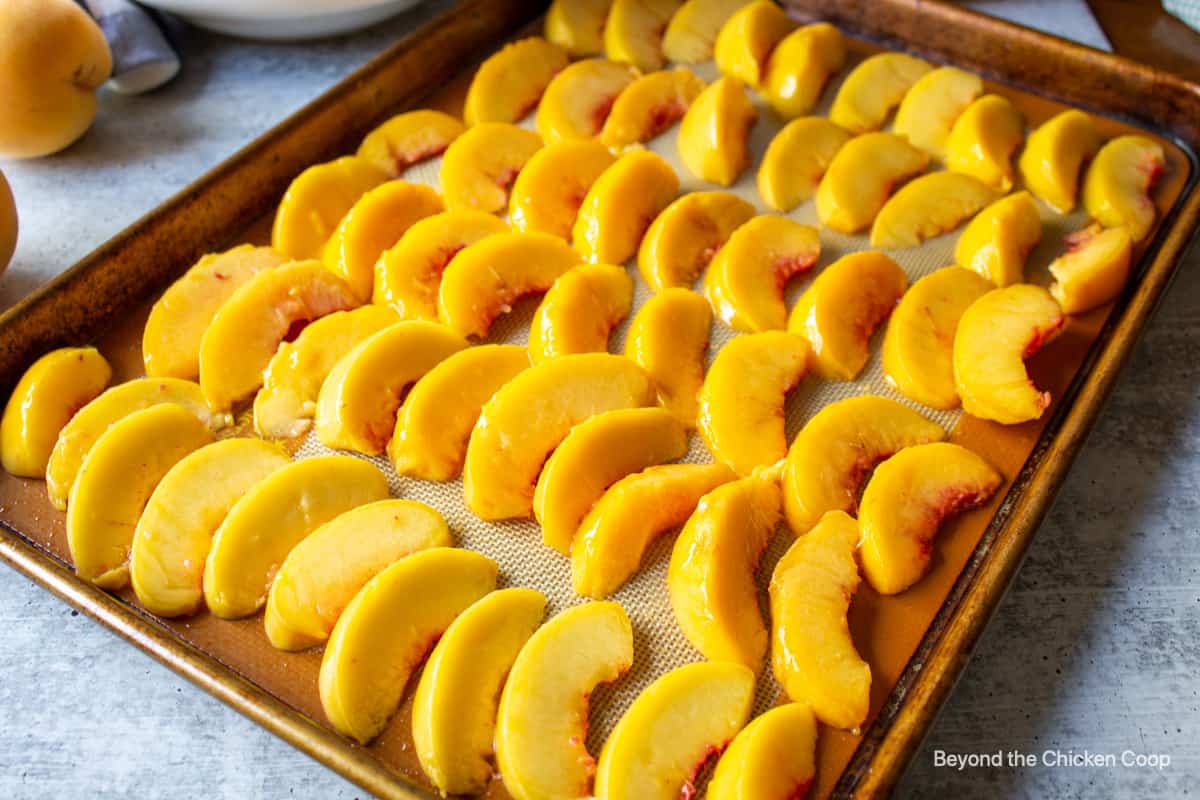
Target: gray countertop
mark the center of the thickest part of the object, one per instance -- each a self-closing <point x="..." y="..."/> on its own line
<point x="1094" y="650"/>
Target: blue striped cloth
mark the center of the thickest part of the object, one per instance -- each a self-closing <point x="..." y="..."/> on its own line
<point x="143" y="59"/>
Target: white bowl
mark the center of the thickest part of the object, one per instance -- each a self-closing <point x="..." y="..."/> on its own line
<point x="282" y="19"/>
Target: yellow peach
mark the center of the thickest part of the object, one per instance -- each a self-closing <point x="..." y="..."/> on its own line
<point x="649" y="106"/>
<point x="508" y="85"/>
<point x="634" y="30"/>
<point x="578" y="100"/>
<point x="796" y="160"/>
<point x="317" y="200"/>
<point x="693" y="29"/>
<point x="800" y="66"/>
<point x="772" y="758"/>
<point x="547" y="193"/>
<point x="1053" y="159"/>
<point x="8" y="224"/>
<point x="479" y="167"/>
<point x="714" y="135"/>
<point x="409" y="138"/>
<point x="928" y="206"/>
<point x="668" y="338"/>
<point x="747" y="38"/>
<point x="578" y="25"/>
<point x="862" y="175"/>
<point x="933" y="104"/>
<point x="1093" y="270"/>
<point x="620" y="206"/>
<point x="1000" y="238"/>
<point x="683" y="239"/>
<point x="983" y="140"/>
<point x="874" y="88"/>
<point x="1116" y="188"/>
<point x="580" y="311"/>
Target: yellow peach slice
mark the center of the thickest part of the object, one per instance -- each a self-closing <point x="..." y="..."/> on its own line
<point x="597" y="453"/>
<point x="874" y="88"/>
<point x="479" y="167"/>
<point x="983" y="140"/>
<point x="711" y="576"/>
<point x="248" y="329"/>
<point x="843" y="308"/>
<point x="1093" y="270"/>
<point x="693" y="29"/>
<point x="836" y="450"/>
<point x="907" y="499"/>
<point x="741" y="402"/>
<point x="995" y="336"/>
<point x="579" y="312"/>
<point x="357" y="405"/>
<point x="668" y="338"/>
<point x="435" y="422"/>
<point x="996" y="243"/>
<point x="1116" y="188"/>
<point x="578" y="100"/>
<point x="683" y="239"/>
<point x="812" y="654"/>
<point x="672" y="729"/>
<point x="547" y="194"/>
<point x="321" y="575"/>
<point x="747" y="38"/>
<point x="115" y="482"/>
<point x="178" y="319"/>
<point x="530" y="415"/>
<point x="746" y="279"/>
<point x="928" y="206"/>
<point x="542" y="724"/>
<point x="649" y="106"/>
<point x="578" y="25"/>
<point x="862" y="175"/>
<point x="409" y="138"/>
<point x="931" y="106"/>
<point x="634" y="30"/>
<point x="485" y="279"/>
<point x="316" y="201"/>
<point x="918" y="348"/>
<point x="714" y="135"/>
<point x="796" y="160"/>
<point x="408" y="275"/>
<point x="1052" y="161"/>
<point x="800" y="66"/>
<point x="455" y="703"/>
<point x="174" y="533"/>
<point x="620" y="206"/>
<point x="773" y="758"/>
<point x="388" y="628"/>
<point x="508" y="85"/>
<point x="43" y="402"/>
<point x="272" y="518"/>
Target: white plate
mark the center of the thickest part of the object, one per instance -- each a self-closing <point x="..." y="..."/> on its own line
<point x="282" y="19"/>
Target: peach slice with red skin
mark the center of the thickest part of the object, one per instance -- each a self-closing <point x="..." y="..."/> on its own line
<point x="546" y="196"/>
<point x="714" y="135"/>
<point x="509" y="84"/>
<point x="668" y="338"/>
<point x="578" y="25"/>
<point x="480" y="166"/>
<point x="800" y="66"/>
<point x="634" y="31"/>
<point x="861" y="177"/>
<point x="796" y="160"/>
<point x="316" y="201"/>
<point x="1093" y="270"/>
<point x="620" y="206"/>
<point x="997" y="242"/>
<point x="984" y="139"/>
<point x="1116" y="188"/>
<point x="683" y="239"/>
<point x="649" y="106"/>
<point x="928" y="206"/>
<point x="931" y="106"/>
<point x="1052" y="161"/>
<point x="772" y="758"/>
<point x="693" y="29"/>
<point x="409" y="138"/>
<point x="747" y="38"/>
<point x="577" y="101"/>
<point x="580" y="311"/>
<point x="874" y="88"/>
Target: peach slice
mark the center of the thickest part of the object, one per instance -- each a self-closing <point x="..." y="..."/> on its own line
<point x="316" y="201"/>
<point x="928" y="206"/>
<point x="812" y="654"/>
<point x="693" y="29"/>
<point x="1093" y="270"/>
<point x="931" y="106"/>
<point x="796" y="160"/>
<point x="741" y="402"/>
<point x="435" y="422"/>
<point x="543" y="720"/>
<point x="115" y="482"/>
<point x="578" y="100"/>
<point x="321" y="575"/>
<point x="983" y="140"/>
<point x="747" y="38"/>
<point x="480" y="166"/>
<point x="456" y="700"/>
<point x="862" y="175"/>
<point x="597" y="453"/>
<point x="668" y="338"/>
<point x="634" y="30"/>
<point x="357" y="405"/>
<point x="272" y="518"/>
<point x="248" y="329"/>
<point x="509" y="84"/>
<point x="649" y="106"/>
<point x="409" y="138"/>
<point x="178" y="319"/>
<point x="874" y="88"/>
<point x="620" y="206"/>
<point x="579" y="312"/>
<point x="408" y="276"/>
<point x="530" y="415"/>
<point x="484" y="280"/>
<point x="373" y="225"/>
<point x="843" y="308"/>
<point x="1053" y="159"/>
<point x="711" y="576"/>
<point x="174" y="534"/>
<point x="715" y="132"/>
<point x="1000" y="238"/>
<point x="746" y="279"/>
<point x="800" y="66"/>
<point x="773" y="758"/>
<point x="836" y="450"/>
<point x="43" y="402"/>
<point x="285" y="406"/>
<point x="683" y="239"/>
<point x="672" y="729"/>
<point x="388" y="628"/>
<point x="995" y="336"/>
<point x="547" y="194"/>
<point x="918" y="348"/>
<point x="1116" y="188"/>
<point x="578" y="25"/>
<point x="907" y="500"/>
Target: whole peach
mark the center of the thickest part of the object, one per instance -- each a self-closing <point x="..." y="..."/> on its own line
<point x="8" y="223"/>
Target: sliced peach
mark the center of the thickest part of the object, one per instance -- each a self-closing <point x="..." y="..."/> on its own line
<point x="874" y="88"/>
<point x="746" y="279"/>
<point x="747" y="38"/>
<point x="578" y="25"/>
<point x="634" y="30"/>
<point x="1052" y="161"/>
<point x="317" y="200"/>
<point x="741" y="402"/>
<point x="931" y="106"/>
<point x="580" y="311"/>
<point x="862" y="175"/>
<point x="1000" y="238"/>
<point x="683" y="239"/>
<point x="1116" y="188"/>
<point x="669" y="339"/>
<point x="796" y="160"/>
<point x="844" y="307"/>
<point x="984" y="139"/>
<point x="715" y="132"/>
<point x="409" y="138"/>
<point x="620" y="206"/>
<point x="995" y="336"/>
<point x="578" y="100"/>
<point x="693" y="29"/>
<point x="928" y="206"/>
<point x="836" y="450"/>
<point x="508" y="85"/>
<point x="649" y="106"/>
<point x="773" y="758"/>
<point x="480" y="166"/>
<point x="907" y="499"/>
<point x="800" y="66"/>
<point x="1093" y="270"/>
<point x="547" y="194"/>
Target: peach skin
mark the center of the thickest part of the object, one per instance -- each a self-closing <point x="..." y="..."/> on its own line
<point x="668" y="338"/>
<point x="800" y="66"/>
<point x="317" y="200"/>
<point x="747" y="38"/>
<point x="508" y="85"/>
<point x="649" y="106"/>
<point x="1054" y="155"/>
<point x="1093" y="270"/>
<point x="9" y="224"/>
<point x="580" y="311"/>
<point x="682" y="240"/>
<point x="933" y="104"/>
<point x="714" y="135"/>
<point x="928" y="206"/>
<point x="693" y="29"/>
<point x="546" y="195"/>
<point x="1116" y="188"/>
<point x="409" y="138"/>
<point x="578" y="25"/>
<point x="634" y="31"/>
<point x="480" y="166"/>
<point x="620" y="205"/>
<point x="997" y="242"/>
<point x="796" y="160"/>
<point x="773" y="758"/>
<point x="984" y="139"/>
<point x="861" y="177"/>
<point x="873" y="89"/>
<point x="577" y="101"/>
